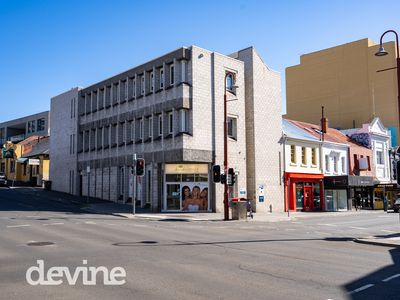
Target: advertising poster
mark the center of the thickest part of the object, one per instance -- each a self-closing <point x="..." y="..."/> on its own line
<point x="194" y="196"/>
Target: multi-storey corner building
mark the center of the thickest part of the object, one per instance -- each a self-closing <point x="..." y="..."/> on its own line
<point x="345" y="80"/>
<point x="19" y="129"/>
<point x="170" y="111"/>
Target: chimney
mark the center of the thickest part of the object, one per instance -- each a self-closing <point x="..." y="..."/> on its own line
<point x="324" y="122"/>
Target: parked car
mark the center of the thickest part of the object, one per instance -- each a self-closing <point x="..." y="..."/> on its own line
<point x="3" y="179"/>
<point x="396" y="205"/>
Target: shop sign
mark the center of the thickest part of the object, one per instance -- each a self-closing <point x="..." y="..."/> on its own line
<point x="186" y="169"/>
<point x="34" y="162"/>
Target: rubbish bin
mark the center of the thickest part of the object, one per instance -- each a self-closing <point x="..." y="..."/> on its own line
<point x="239" y="209"/>
<point x="47" y="185"/>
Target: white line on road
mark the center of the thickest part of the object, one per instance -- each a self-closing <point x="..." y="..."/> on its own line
<point x="51" y="224"/>
<point x="364" y="287"/>
<point x="333" y="225"/>
<point x="389" y="231"/>
<point x="15" y="226"/>
<point x="391" y="277"/>
<point x="89" y="222"/>
<point x="361" y="228"/>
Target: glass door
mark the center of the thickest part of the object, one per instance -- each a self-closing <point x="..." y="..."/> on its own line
<point x="308" y="198"/>
<point x="173" y="196"/>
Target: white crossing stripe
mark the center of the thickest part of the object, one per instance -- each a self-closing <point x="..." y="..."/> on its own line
<point x="51" y="224"/>
<point x="391" y="277"/>
<point x="333" y="225"/>
<point x="89" y="222"/>
<point x="15" y="226"/>
<point x="390" y="231"/>
<point x="361" y="228"/>
<point x="364" y="287"/>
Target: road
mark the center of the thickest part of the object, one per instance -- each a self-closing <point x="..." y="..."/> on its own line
<point x="309" y="258"/>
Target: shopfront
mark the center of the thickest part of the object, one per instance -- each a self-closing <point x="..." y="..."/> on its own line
<point x="304" y="192"/>
<point x="186" y="188"/>
<point x="336" y="193"/>
<point x="385" y="190"/>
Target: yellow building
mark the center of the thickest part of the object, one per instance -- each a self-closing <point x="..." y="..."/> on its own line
<point x="344" y="79"/>
<point x="26" y="162"/>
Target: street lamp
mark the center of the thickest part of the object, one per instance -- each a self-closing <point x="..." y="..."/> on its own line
<point x="231" y="87"/>
<point x="382" y="52"/>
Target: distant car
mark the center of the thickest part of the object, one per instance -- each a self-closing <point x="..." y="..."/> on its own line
<point x="3" y="179"/>
<point x="396" y="205"/>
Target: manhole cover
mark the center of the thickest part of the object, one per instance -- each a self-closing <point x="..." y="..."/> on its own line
<point x="40" y="243"/>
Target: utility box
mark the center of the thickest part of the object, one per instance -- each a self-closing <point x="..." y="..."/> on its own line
<point x="239" y="209"/>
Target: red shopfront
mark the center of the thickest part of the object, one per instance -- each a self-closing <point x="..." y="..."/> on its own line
<point x="304" y="192"/>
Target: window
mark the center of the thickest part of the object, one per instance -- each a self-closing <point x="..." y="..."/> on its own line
<point x="171" y="75"/>
<point x="123" y="132"/>
<point x="343" y="162"/>
<point x="142" y="85"/>
<point x="132" y="131"/>
<point x="229" y="82"/>
<point x="161" y="78"/>
<point x="183" y="120"/>
<point x="160" y="121"/>
<point x="335" y="164"/>
<point x="170" y="122"/>
<point x="379" y="157"/>
<point x="303" y="155"/>
<point x="151" y="81"/>
<point x="327" y="166"/>
<point x="141" y="129"/>
<point x="126" y="89"/>
<point x="40" y="124"/>
<point x="232" y="128"/>
<point x="293" y="154"/>
<point x="134" y="87"/>
<point x="183" y="70"/>
<point x="314" y="156"/>
<point x="31" y="126"/>
<point x="150" y="127"/>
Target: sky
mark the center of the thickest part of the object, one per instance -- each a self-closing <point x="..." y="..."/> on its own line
<point x="48" y="47"/>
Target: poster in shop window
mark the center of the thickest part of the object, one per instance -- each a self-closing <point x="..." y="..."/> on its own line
<point x="194" y="196"/>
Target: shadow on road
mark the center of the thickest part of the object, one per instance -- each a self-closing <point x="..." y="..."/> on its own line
<point x="380" y="284"/>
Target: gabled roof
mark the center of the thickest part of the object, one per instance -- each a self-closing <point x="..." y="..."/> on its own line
<point x="332" y="135"/>
<point x="293" y="131"/>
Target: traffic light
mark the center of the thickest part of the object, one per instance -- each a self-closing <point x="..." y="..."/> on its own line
<point x="216" y="173"/>
<point x="398" y="171"/>
<point x="140" y="167"/>
<point x="223" y="178"/>
<point x="231" y="174"/>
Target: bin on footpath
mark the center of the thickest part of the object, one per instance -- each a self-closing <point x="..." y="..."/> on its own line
<point x="47" y="185"/>
<point x="239" y="209"/>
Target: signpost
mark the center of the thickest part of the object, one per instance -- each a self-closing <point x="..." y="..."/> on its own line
<point x="88" y="189"/>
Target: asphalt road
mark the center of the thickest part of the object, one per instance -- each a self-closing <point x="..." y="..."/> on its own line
<point x="314" y="258"/>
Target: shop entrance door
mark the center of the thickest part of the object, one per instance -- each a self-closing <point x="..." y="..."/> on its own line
<point x="308" y="198"/>
<point x="173" y="197"/>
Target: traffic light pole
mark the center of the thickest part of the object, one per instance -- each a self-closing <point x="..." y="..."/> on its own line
<point x="134" y="185"/>
<point x="226" y="196"/>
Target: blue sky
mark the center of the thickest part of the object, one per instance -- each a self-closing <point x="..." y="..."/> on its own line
<point x="47" y="47"/>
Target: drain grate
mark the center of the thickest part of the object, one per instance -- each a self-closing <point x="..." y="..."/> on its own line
<point x="40" y="243"/>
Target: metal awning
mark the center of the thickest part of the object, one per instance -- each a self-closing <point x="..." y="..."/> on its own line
<point x="22" y="160"/>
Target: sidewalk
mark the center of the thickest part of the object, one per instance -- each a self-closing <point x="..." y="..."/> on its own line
<point x="125" y="211"/>
<point x="392" y="240"/>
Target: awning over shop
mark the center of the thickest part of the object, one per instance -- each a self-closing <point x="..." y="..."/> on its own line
<point x="348" y="181"/>
<point x="22" y="160"/>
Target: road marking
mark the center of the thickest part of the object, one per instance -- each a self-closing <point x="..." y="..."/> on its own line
<point x="362" y="228"/>
<point x="389" y="231"/>
<point x="390" y="278"/>
<point x="51" y="224"/>
<point x="333" y="225"/>
<point x="15" y="226"/>
<point x="89" y="222"/>
<point x="364" y="287"/>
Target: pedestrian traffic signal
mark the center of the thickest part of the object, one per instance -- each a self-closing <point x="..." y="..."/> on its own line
<point x="231" y="174"/>
<point x="140" y="167"/>
<point x="223" y="178"/>
<point x="216" y="173"/>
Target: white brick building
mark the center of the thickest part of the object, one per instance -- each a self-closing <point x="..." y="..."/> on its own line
<point x="170" y="112"/>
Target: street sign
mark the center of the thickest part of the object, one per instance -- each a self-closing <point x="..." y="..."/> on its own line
<point x="34" y="162"/>
<point x="260" y="198"/>
<point x="242" y="192"/>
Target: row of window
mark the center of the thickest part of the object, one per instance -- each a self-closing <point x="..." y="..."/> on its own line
<point x="132" y="131"/>
<point x="132" y="87"/>
<point x="293" y="155"/>
<point x="335" y="164"/>
<point x="36" y="125"/>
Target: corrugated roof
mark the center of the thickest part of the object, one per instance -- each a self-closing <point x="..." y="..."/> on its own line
<point x="293" y="131"/>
